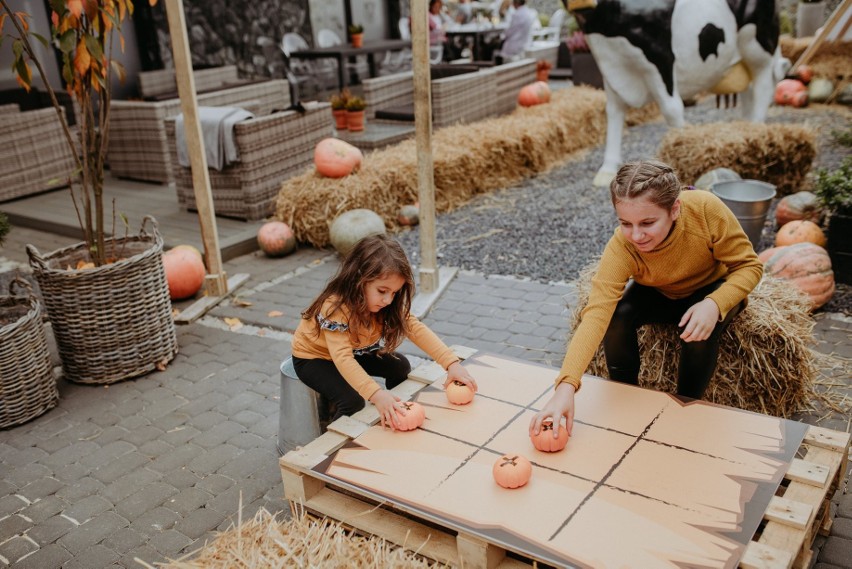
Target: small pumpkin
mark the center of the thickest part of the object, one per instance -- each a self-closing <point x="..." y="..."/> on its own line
<point x="801" y="205"/>
<point x="799" y="99"/>
<point x="799" y="231"/>
<point x="276" y="239"/>
<point x="805" y="73"/>
<point x="414" y="416"/>
<point x="409" y="214"/>
<point x="184" y="272"/>
<point x="534" y="94"/>
<point x="820" y="89"/>
<point x="512" y="471"/>
<point x="545" y="441"/>
<point x="189" y="248"/>
<point x="786" y="89"/>
<point x="807" y="266"/>
<point x="459" y="394"/>
<point x="707" y="179"/>
<point x="335" y="158"/>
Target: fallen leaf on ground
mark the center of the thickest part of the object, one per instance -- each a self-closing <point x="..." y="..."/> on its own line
<point x="241" y="302"/>
<point x="275" y="313"/>
<point x="233" y="323"/>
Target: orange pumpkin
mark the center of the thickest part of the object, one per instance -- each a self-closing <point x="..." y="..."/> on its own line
<point x="764" y="256"/>
<point x="799" y="99"/>
<point x="545" y="441"/>
<point x="409" y="214"/>
<point x="189" y="248"/>
<point x="184" y="272"/>
<point x="801" y="205"/>
<point x="276" y="239"/>
<point x="786" y="89"/>
<point x="335" y="158"/>
<point x="534" y="94"/>
<point x="414" y="416"/>
<point x="804" y="73"/>
<point x="512" y="471"/>
<point x="800" y="231"/>
<point x="807" y="266"/>
<point x="459" y="394"/>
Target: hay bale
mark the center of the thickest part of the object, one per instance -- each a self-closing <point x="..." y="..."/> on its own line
<point x="833" y="60"/>
<point x="302" y="541"/>
<point x="780" y="154"/>
<point x="469" y="159"/>
<point x="765" y="361"/>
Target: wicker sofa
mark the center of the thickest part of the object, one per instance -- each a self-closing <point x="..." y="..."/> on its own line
<point x="272" y="148"/>
<point x="138" y="148"/>
<point x="34" y="156"/>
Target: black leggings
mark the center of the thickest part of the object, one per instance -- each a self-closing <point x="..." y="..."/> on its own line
<point x="323" y="377"/>
<point x="645" y="305"/>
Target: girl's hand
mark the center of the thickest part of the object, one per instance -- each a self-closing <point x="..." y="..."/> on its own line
<point x="699" y="321"/>
<point x="560" y="405"/>
<point x="457" y="372"/>
<point x="388" y="405"/>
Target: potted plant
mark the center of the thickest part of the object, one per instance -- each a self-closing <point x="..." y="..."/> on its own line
<point x="542" y="69"/>
<point x="583" y="65"/>
<point x="338" y="108"/>
<point x="356" y="35"/>
<point x="834" y="189"/>
<point x="355" y="113"/>
<point x="107" y="298"/>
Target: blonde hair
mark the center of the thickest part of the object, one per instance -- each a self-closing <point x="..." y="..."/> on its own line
<point x="651" y="179"/>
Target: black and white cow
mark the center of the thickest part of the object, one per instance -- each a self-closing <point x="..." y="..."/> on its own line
<point x="669" y="50"/>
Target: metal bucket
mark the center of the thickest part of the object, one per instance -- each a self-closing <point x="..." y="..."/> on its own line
<point x="749" y="200"/>
<point x="298" y="420"/>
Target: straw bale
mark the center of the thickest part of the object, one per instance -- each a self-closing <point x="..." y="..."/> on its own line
<point x="780" y="154"/>
<point x="765" y="362"/>
<point x="833" y="60"/>
<point x="468" y="159"/>
<point x="302" y="541"/>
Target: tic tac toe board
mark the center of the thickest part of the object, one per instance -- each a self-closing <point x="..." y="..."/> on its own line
<point x="646" y="480"/>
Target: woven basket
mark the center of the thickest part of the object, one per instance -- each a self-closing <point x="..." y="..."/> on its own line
<point x="27" y="385"/>
<point x="112" y="322"/>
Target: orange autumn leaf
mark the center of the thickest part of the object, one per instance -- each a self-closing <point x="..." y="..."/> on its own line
<point x="22" y="18"/>
<point x="275" y="313"/>
<point x="82" y="59"/>
<point x="54" y="19"/>
<point x="234" y="324"/>
<point x="75" y="7"/>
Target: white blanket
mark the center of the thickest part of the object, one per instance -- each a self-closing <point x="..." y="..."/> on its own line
<point x="217" y="134"/>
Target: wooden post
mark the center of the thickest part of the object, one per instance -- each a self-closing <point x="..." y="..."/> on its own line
<point x="423" y="134"/>
<point x="216" y="282"/>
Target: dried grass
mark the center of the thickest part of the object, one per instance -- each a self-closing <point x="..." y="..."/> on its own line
<point x="765" y="361"/>
<point x="302" y="541"/>
<point x="469" y="159"/>
<point x="780" y="154"/>
<point x="833" y="60"/>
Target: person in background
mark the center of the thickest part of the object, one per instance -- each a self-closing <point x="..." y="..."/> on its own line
<point x="437" y="36"/>
<point x="464" y="12"/>
<point x="517" y="35"/>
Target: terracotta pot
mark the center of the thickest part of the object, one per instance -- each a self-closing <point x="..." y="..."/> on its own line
<point x="542" y="75"/>
<point x="340" y="118"/>
<point x="357" y="40"/>
<point x="355" y="120"/>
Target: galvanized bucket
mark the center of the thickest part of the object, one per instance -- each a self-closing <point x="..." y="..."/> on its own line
<point x="749" y="200"/>
<point x="298" y="421"/>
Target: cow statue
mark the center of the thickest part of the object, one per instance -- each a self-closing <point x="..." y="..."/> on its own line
<point x="666" y="51"/>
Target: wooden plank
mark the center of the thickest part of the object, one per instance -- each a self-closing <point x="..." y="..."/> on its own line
<point x="808" y="473"/>
<point x="348" y="426"/>
<point x="793" y="514"/>
<point x="477" y="553"/>
<point x="206" y="303"/>
<point x="406" y="389"/>
<point x="463" y="352"/>
<point x="826" y="438"/>
<point x="299" y="487"/>
<point x="368" y="415"/>
<point x="762" y="556"/>
<point x="427" y="372"/>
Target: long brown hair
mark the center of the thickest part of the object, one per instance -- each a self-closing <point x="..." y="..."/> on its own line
<point x="372" y="258"/>
<point x="651" y="179"/>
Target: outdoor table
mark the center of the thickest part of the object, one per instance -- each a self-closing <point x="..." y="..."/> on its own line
<point x="344" y="51"/>
<point x="478" y="32"/>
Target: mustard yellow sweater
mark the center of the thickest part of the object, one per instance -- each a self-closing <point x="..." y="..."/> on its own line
<point x="706" y="244"/>
<point x="335" y="344"/>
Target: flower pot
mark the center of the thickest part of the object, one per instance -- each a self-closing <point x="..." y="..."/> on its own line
<point x="542" y="75"/>
<point x="111" y="322"/>
<point x="357" y="40"/>
<point x="355" y="120"/>
<point x="27" y="386"/>
<point x="585" y="70"/>
<point x="840" y="246"/>
<point x="340" y="119"/>
<point x="809" y="17"/>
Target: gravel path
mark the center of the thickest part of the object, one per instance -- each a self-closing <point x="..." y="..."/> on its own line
<point x="549" y="227"/>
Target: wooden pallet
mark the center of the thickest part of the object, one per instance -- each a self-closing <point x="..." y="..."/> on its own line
<point x="791" y="522"/>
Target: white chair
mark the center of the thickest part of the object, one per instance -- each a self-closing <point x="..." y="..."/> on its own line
<point x="395" y="61"/>
<point x="301" y="72"/>
<point x="329" y="38"/>
<point x="553" y="31"/>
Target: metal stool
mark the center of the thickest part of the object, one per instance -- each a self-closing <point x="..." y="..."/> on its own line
<point x="299" y="417"/>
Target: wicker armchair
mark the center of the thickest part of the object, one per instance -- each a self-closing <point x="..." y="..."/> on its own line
<point x="272" y="148"/>
<point x="153" y="84"/>
<point x="34" y="155"/>
<point x="138" y="147"/>
<point x="511" y="78"/>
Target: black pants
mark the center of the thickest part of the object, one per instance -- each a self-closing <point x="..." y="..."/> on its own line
<point x="322" y="376"/>
<point x="645" y="305"/>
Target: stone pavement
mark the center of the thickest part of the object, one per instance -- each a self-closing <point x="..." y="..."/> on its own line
<point x="151" y="468"/>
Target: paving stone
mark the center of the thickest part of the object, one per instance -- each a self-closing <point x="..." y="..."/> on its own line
<point x="148" y="497"/>
<point x="208" y="420"/>
<point x="130" y="462"/>
<point x="83" y="488"/>
<point x="139" y="436"/>
<point x="170" y="542"/>
<point x="144" y="552"/>
<point x="247" y="463"/>
<point x="200" y="521"/>
<point x="13" y="525"/>
<point x="87" y="508"/>
<point x="154" y="521"/>
<point x="220" y="433"/>
<point x="844" y="506"/>
<point x="50" y="530"/>
<point x="93" y="531"/>
<point x="244" y="492"/>
<point x="130" y="483"/>
<point x="836" y="550"/>
<point x="215" y="484"/>
<point x="213" y="459"/>
<point x="69" y="454"/>
<point x="17" y="547"/>
<point x="44" y="508"/>
<point x="181" y="478"/>
<point x="41" y="487"/>
<point x="124" y="540"/>
<point x="187" y="500"/>
<point x="10" y="504"/>
<point x="178" y="433"/>
<point x="24" y="456"/>
<point x="91" y="557"/>
<point x="179" y="457"/>
<point x="50" y="557"/>
<point x="247" y="440"/>
<point x="153" y="449"/>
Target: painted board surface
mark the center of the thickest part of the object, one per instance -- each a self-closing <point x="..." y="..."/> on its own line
<point x="646" y="480"/>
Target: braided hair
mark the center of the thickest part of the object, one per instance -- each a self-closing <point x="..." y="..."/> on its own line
<point x="651" y="179"/>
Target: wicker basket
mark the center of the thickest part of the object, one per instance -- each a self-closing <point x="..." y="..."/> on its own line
<point x="112" y="322"/>
<point x="27" y="385"/>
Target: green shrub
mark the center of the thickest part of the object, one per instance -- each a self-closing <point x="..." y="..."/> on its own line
<point x="834" y="188"/>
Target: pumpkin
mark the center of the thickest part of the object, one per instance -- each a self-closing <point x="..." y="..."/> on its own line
<point x="351" y="226"/>
<point x="799" y="231"/>
<point x="799" y="99"/>
<point x="545" y="441"/>
<point x="820" y="89"/>
<point x="534" y="94"/>
<point x="409" y="214"/>
<point x="184" y="272"/>
<point x="707" y="179"/>
<point x="801" y="205"/>
<point x="804" y="73"/>
<point x="786" y="89"/>
<point x="335" y="158"/>
<point x="512" y="471"/>
<point x="414" y="416"/>
<point x="807" y="267"/>
<point x="459" y="394"/>
<point x="276" y="239"/>
<point x="189" y="248"/>
<point x="764" y="256"/>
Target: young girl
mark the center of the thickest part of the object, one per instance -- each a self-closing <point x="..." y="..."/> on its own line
<point x="690" y="263"/>
<point x="338" y="344"/>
